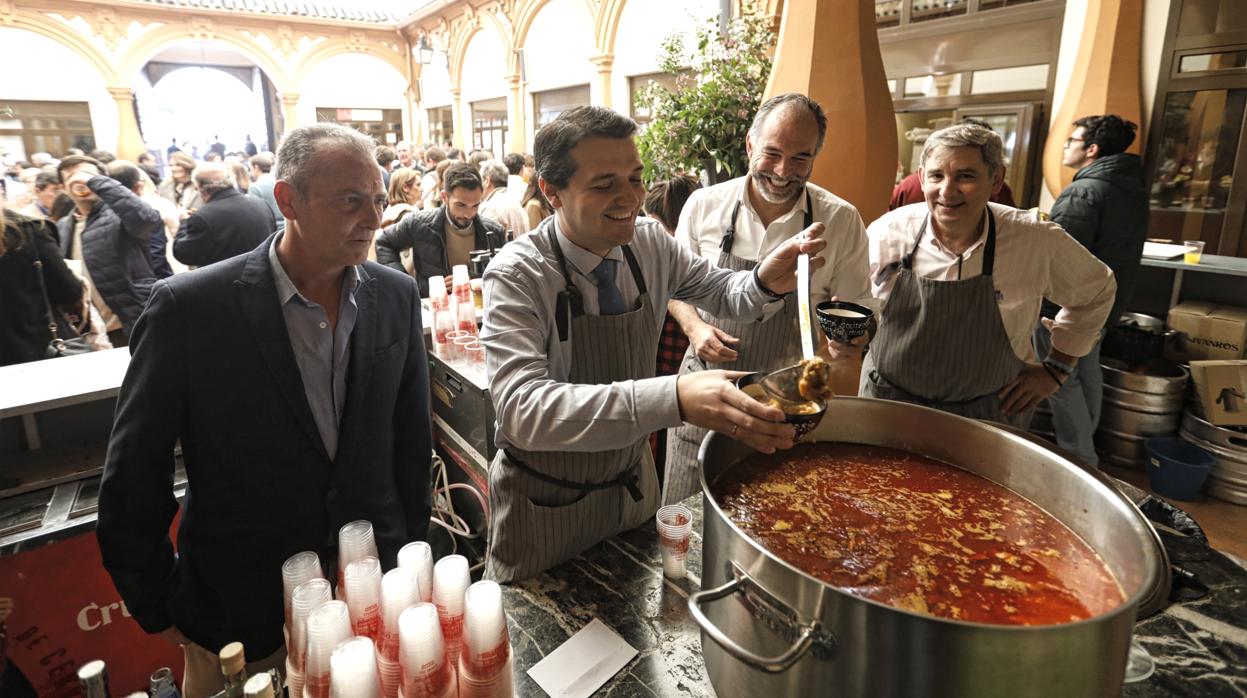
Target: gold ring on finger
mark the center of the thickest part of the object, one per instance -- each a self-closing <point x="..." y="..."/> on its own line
<point x="735" y="428"/>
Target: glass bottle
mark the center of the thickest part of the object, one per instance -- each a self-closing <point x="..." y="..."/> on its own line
<point x="234" y="669"/>
<point x="93" y="679"/>
<point x="162" y="685"/>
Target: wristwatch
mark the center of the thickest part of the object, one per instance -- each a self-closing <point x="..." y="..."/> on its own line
<point x="758" y="280"/>
<point x="1065" y="368"/>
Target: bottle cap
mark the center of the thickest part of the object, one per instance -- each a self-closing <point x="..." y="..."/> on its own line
<point x="232" y="659"/>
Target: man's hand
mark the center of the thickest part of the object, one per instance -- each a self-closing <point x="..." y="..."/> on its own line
<point x="76" y="185"/>
<point x="708" y="399"/>
<point x="450" y="284"/>
<point x="173" y="636"/>
<point x="1031" y="385"/>
<point x="852" y="350"/>
<point x="711" y="344"/>
<point x="778" y="272"/>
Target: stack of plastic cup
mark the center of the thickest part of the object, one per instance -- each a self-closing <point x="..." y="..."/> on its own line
<point x="419" y="556"/>
<point x="297" y="569"/>
<point x="355" y="541"/>
<point x="307" y="597"/>
<point x="450" y="583"/>
<point x="398" y="593"/>
<point x="353" y="670"/>
<point x="422" y="652"/>
<point x="363" y="596"/>
<point x="327" y="627"/>
<point x="675" y="531"/>
<point x="443" y="321"/>
<point x="462" y="283"/>
<point x="485" y="661"/>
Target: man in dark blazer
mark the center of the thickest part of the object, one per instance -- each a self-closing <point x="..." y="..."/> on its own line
<point x="295" y="378"/>
<point x="442" y="237"/>
<point x="227" y="225"/>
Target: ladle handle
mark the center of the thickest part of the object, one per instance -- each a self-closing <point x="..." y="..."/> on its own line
<point x="771" y="665"/>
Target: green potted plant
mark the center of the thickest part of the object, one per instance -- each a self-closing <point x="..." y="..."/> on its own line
<point x="702" y="122"/>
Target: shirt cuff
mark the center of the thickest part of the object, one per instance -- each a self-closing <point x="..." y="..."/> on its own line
<point x="1071" y="342"/>
<point x="657" y="404"/>
<point x="757" y="281"/>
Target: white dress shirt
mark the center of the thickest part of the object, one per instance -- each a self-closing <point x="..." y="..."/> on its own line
<point x="501" y="208"/>
<point x="708" y="213"/>
<point x="528" y="367"/>
<point x="1034" y="260"/>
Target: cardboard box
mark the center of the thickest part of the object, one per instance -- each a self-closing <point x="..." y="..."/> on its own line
<point x="1222" y="390"/>
<point x="1206" y="331"/>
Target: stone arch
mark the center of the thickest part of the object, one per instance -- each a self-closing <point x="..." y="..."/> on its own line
<point x="527" y="12"/>
<point x="459" y="46"/>
<point x="333" y="47"/>
<point x="139" y="53"/>
<point x="606" y="25"/>
<point x="66" y="36"/>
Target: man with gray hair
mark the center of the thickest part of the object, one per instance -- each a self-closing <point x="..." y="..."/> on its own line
<point x="735" y="224"/>
<point x="296" y="380"/>
<point x="262" y="183"/>
<point x="961" y="281"/>
<point x="228" y="224"/>
<point x="499" y="205"/>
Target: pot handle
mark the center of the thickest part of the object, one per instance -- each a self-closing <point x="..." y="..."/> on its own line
<point x="771" y="665"/>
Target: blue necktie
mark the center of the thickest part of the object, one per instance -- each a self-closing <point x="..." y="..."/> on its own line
<point x="610" y="301"/>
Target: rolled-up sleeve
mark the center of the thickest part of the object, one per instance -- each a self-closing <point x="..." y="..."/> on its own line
<point x="1084" y="288"/>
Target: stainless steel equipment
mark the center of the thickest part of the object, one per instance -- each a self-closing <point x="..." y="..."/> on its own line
<point x="1139" y="404"/>
<point x="771" y="630"/>
<point x="1228" y="445"/>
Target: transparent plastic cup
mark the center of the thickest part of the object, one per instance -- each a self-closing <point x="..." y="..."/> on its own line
<point x="327" y="627"/>
<point x="475" y="354"/>
<point x="1194" y="249"/>
<point x="363" y="596"/>
<point x="398" y="593"/>
<point x="419" y="556"/>
<point x="353" y="670"/>
<point x="297" y="569"/>
<point x="422" y="653"/>
<point x="307" y="597"/>
<point x="452" y="348"/>
<point x="450" y="583"/>
<point x="675" y="532"/>
<point x="355" y="540"/>
<point x="486" y="645"/>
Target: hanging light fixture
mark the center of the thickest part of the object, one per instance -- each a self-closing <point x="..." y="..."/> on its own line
<point x="424" y="52"/>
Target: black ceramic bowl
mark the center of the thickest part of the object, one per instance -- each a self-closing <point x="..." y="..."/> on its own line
<point x="843" y="321"/>
<point x="803" y="423"/>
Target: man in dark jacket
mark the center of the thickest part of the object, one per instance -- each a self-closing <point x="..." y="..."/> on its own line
<point x="327" y="352"/>
<point x="110" y="231"/>
<point x="442" y="237"/>
<point x="129" y="175"/>
<point x="1105" y="208"/>
<point x="227" y="225"/>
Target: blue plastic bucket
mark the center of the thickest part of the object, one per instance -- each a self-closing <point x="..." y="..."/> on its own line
<point x="1176" y="468"/>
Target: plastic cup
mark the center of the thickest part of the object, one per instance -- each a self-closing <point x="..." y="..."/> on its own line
<point x="327" y="627"/>
<point x="294" y="679"/>
<point x="391" y="676"/>
<point x="461" y="349"/>
<point x="500" y="685"/>
<point x="452" y="350"/>
<point x="297" y="569"/>
<point x="363" y="596"/>
<point x="422" y="652"/>
<point x="307" y="597"/>
<point x="1194" y="249"/>
<point x="486" y="645"/>
<point x="398" y="593"/>
<point x="356" y="540"/>
<point x="353" y="670"/>
<point x="419" y="556"/>
<point x="478" y="294"/>
<point x="475" y="354"/>
<point x="450" y="582"/>
<point x="675" y="531"/>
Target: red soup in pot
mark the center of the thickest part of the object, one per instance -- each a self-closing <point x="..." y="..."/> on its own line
<point x="917" y="534"/>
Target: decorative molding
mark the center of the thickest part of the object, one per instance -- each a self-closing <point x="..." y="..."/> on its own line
<point x="285" y="43"/>
<point x="8" y="16"/>
<point x="107" y="27"/>
<point x="121" y="93"/>
<point x="202" y="29"/>
<point x="357" y="41"/>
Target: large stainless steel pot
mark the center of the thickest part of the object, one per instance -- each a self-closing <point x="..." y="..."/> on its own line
<point x="770" y="630"/>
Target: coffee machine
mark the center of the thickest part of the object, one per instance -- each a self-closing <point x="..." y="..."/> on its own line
<point x="478" y="260"/>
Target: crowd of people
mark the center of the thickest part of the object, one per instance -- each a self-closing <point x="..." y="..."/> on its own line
<point x="614" y="312"/>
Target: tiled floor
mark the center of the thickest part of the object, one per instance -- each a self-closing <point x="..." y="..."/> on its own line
<point x="1224" y="523"/>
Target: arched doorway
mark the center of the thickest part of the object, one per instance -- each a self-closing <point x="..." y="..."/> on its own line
<point x="333" y="91"/>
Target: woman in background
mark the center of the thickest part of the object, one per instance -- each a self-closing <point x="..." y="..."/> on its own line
<point x="24" y="333"/>
<point x="535" y="205"/>
<point x="403" y="196"/>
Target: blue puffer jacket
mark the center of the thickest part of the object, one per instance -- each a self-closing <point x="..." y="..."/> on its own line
<point x="115" y="245"/>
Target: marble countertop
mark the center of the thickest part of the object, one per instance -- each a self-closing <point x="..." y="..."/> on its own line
<point x="1199" y="646"/>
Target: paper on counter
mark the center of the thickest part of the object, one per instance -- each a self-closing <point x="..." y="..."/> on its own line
<point x="581" y="665"/>
<point x="1160" y="250"/>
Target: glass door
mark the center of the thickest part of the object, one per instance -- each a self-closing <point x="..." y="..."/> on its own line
<point x="1016" y="125"/>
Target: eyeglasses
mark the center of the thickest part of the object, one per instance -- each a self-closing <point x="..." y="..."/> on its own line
<point x="1071" y="140"/>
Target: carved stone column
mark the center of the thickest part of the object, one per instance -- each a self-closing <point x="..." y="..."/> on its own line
<point x="845" y="76"/>
<point x="129" y="140"/>
<point x="600" y="89"/>
<point x="1104" y="80"/>
<point x="517" y="121"/>
<point x="462" y="137"/>
<point x="289" y="109"/>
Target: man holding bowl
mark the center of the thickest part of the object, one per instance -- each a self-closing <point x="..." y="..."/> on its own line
<point x="961" y="282"/>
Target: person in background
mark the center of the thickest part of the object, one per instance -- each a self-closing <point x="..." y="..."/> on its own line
<point x="147" y="163"/>
<point x="249" y="148"/>
<point x="454" y="154"/>
<point x="961" y="281"/>
<point x="179" y="188"/>
<point x="385" y="160"/>
<point x="530" y="168"/>
<point x="326" y="352"/>
<point x="218" y="148"/>
<point x="498" y="204"/>
<point x="909" y="189"/>
<point x="1105" y="208"/>
<point x="535" y="205"/>
<point x="227" y="225"/>
<point x="110" y="232"/>
<point x="62" y="206"/>
<point x="403" y="196"/>
<point x="442" y="237"/>
<point x="47" y="186"/>
<point x="240" y="172"/>
<point x="516" y="185"/>
<point x="431" y="184"/>
<point x="131" y="177"/>
<point x="262" y="183"/>
<point x="477" y="157"/>
<point x="104" y="156"/>
<point x="24" y="332"/>
<point x="663" y="202"/>
<point x="403" y="152"/>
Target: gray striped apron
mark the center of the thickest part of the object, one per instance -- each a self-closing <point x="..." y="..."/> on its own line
<point x="549" y="506"/>
<point x="942" y="344"/>
<point x="763" y="346"/>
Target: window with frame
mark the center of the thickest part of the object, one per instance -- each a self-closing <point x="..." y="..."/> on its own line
<point x="489" y="126"/>
<point x="385" y="125"/>
<point x="441" y="125"/>
<point x="45" y="127"/>
<point x="547" y="105"/>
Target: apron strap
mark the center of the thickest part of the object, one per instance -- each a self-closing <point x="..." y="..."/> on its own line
<point x="636" y="270"/>
<point x="989" y="247"/>
<point x="569" y="303"/>
<point x="729" y="236"/>
<point x="629" y="480"/>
